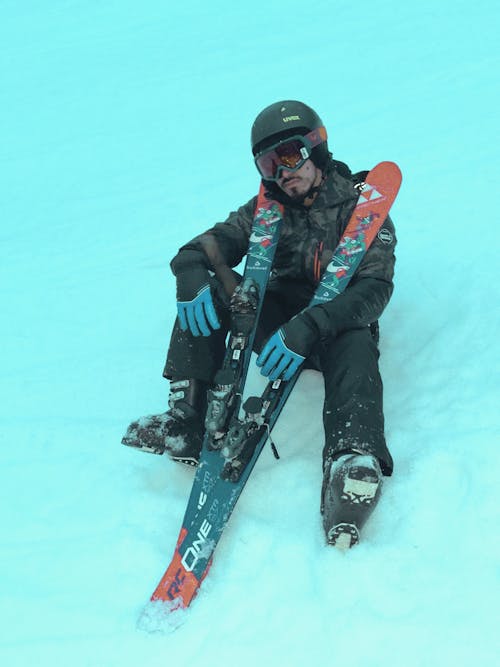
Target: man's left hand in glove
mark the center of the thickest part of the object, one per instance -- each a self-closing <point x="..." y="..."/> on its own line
<point x="287" y="348"/>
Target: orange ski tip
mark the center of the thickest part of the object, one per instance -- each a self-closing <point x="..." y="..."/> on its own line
<point x="161" y="617"/>
<point x="177" y="584"/>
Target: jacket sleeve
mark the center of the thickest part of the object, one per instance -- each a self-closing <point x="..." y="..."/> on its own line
<point x="222" y="246"/>
<point x="368" y="293"/>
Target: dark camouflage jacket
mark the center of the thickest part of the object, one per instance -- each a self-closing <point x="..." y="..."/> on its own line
<point x="308" y="238"/>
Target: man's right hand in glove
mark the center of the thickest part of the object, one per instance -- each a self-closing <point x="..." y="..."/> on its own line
<point x="195" y="306"/>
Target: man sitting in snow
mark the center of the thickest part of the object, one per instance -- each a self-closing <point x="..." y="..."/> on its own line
<point x="339" y="338"/>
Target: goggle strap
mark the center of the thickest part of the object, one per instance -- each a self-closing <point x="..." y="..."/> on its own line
<point x="314" y="137"/>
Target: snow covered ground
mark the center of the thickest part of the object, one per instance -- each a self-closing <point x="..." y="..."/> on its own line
<point x="125" y="131"/>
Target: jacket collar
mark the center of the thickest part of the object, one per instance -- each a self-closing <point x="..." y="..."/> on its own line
<point x="336" y="189"/>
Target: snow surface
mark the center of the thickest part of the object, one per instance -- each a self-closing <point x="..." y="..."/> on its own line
<point x="125" y="131"/>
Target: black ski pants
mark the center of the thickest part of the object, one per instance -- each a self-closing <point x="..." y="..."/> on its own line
<point x="353" y="409"/>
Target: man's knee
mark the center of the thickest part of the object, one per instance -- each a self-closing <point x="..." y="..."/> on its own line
<point x="351" y="361"/>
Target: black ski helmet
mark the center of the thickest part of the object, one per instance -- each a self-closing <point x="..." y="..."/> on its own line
<point x="287" y="118"/>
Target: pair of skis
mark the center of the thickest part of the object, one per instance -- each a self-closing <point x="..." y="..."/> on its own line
<point x="232" y="444"/>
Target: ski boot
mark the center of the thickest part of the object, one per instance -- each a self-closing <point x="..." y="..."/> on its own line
<point x="179" y="431"/>
<point x="351" y="489"/>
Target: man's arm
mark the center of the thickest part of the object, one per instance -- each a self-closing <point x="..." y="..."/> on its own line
<point x="366" y="297"/>
<point x="219" y="248"/>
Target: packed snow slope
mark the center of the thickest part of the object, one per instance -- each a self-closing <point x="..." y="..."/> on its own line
<point x="125" y="131"/>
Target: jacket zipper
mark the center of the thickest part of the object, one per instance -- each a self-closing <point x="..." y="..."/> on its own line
<point x="317" y="261"/>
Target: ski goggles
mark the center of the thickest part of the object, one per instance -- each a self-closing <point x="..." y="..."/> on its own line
<point x="289" y="154"/>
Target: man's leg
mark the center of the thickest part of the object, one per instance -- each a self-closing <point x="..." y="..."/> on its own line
<point x="353" y="411"/>
<point x="191" y="364"/>
<point x="355" y="453"/>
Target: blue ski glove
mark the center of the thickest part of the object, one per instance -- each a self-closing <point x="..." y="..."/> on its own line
<point x="195" y="306"/>
<point x="287" y="348"/>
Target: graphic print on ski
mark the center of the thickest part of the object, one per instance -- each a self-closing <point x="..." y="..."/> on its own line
<point x="245" y="308"/>
<point x="213" y="498"/>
